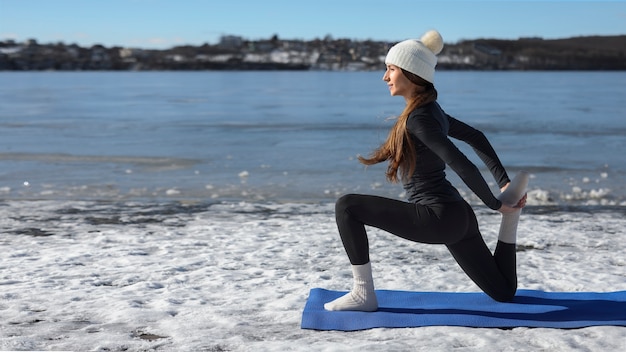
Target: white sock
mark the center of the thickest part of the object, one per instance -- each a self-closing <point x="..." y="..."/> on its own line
<point x="362" y="297"/>
<point x="510" y="196"/>
<point x="508" y="227"/>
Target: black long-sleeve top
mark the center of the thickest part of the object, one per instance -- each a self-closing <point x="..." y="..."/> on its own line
<point x="429" y="127"/>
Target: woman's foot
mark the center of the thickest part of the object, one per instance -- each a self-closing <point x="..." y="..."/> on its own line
<point x="352" y="301"/>
<point x="362" y="297"/>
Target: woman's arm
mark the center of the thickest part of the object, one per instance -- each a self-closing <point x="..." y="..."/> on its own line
<point x="477" y="140"/>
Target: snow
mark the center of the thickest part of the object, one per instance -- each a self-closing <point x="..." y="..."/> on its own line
<point x="105" y="276"/>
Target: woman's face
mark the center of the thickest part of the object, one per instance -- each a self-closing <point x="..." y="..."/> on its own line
<point x="399" y="84"/>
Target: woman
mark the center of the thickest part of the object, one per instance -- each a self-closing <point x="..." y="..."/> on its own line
<point x="418" y="150"/>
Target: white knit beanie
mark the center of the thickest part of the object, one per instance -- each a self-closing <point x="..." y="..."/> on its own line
<point x="417" y="56"/>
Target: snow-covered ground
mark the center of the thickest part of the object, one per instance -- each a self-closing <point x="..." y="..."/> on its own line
<point x="99" y="276"/>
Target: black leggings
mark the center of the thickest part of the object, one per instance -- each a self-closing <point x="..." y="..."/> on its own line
<point x="453" y="224"/>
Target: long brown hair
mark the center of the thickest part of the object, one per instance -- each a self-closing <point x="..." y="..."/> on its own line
<point x="399" y="148"/>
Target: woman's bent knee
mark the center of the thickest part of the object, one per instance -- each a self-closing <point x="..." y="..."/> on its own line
<point x="344" y="202"/>
<point x="503" y="296"/>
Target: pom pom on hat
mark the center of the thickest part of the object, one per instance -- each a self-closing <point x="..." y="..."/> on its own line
<point x="417" y="56"/>
<point x="433" y="41"/>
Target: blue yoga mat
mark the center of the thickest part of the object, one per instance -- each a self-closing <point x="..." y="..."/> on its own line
<point x="529" y="308"/>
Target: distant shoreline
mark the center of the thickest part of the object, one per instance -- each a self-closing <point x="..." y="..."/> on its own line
<point x="599" y="53"/>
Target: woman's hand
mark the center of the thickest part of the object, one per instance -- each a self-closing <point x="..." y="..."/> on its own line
<point x="507" y="209"/>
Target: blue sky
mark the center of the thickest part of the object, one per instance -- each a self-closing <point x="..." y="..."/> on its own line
<point x="162" y="24"/>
